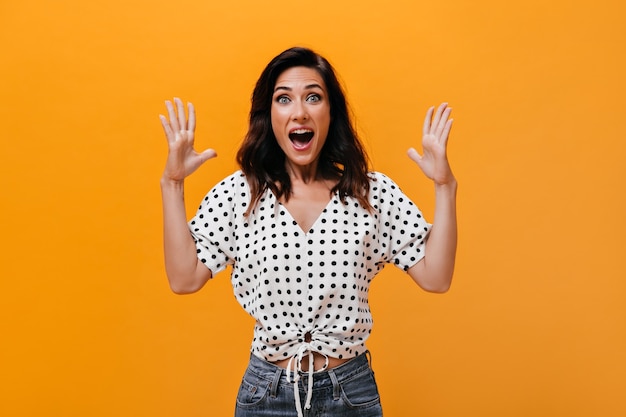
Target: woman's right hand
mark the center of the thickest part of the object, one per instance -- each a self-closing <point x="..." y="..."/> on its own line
<point x="182" y="158"/>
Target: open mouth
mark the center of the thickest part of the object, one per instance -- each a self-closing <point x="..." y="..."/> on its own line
<point x="300" y="137"/>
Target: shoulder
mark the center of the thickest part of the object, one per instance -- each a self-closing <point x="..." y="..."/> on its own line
<point x="235" y="182"/>
<point x="379" y="181"/>
<point x="385" y="193"/>
<point x="228" y="190"/>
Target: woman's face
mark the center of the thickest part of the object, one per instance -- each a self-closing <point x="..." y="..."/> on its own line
<point x="300" y="116"/>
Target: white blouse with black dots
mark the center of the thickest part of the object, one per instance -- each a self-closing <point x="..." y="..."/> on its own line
<point x="311" y="284"/>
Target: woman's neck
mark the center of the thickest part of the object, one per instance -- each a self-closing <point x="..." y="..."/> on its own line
<point x="303" y="174"/>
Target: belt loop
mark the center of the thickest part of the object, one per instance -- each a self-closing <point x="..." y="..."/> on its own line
<point x="336" y="387"/>
<point x="275" y="382"/>
<point x="368" y="355"/>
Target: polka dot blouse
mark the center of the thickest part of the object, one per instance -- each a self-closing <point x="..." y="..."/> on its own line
<point x="307" y="284"/>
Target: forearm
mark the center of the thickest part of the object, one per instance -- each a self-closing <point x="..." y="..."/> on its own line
<point x="185" y="273"/>
<point x="434" y="272"/>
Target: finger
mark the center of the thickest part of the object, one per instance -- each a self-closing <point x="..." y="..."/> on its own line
<point x="427" y="119"/>
<point x="171" y="113"/>
<point x="208" y="154"/>
<point x="169" y="134"/>
<point x="443" y="121"/>
<point x="182" y="121"/>
<point x="191" y="124"/>
<point x="186" y="137"/>
<point x="446" y="132"/>
<point x="438" y="117"/>
<point x="414" y="155"/>
<point x="189" y="137"/>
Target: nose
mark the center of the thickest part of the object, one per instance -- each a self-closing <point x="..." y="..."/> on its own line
<point x="299" y="111"/>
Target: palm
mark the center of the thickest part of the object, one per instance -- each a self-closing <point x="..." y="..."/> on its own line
<point x="182" y="159"/>
<point x="434" y="161"/>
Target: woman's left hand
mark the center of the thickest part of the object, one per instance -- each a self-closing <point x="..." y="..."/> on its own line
<point x="434" y="161"/>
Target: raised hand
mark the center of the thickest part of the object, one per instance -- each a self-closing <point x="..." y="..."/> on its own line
<point x="182" y="158"/>
<point x="434" y="161"/>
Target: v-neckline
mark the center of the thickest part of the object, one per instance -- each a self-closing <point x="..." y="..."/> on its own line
<point x="317" y="218"/>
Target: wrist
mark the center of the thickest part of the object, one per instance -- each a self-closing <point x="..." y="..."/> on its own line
<point x="447" y="187"/>
<point x="168" y="183"/>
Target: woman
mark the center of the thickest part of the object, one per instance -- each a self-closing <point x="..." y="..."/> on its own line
<point x="305" y="227"/>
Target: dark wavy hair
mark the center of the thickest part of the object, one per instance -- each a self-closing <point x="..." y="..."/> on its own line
<point x="342" y="158"/>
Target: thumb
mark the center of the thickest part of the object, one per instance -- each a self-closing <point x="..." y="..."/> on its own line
<point x="414" y="155"/>
<point x="207" y="154"/>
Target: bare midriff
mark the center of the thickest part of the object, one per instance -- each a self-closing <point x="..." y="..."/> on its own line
<point x="318" y="361"/>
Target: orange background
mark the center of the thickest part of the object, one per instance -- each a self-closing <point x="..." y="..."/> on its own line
<point x="535" y="324"/>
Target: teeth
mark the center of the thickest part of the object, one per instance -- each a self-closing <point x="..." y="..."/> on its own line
<point x="301" y="131"/>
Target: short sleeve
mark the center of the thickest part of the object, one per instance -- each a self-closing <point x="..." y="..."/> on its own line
<point x="213" y="229"/>
<point x="403" y="229"/>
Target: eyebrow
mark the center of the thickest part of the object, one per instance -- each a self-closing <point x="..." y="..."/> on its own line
<point x="307" y="87"/>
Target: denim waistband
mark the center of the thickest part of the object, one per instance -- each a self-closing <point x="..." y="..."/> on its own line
<point x="345" y="371"/>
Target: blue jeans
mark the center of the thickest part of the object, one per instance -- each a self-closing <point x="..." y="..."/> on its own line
<point x="348" y="390"/>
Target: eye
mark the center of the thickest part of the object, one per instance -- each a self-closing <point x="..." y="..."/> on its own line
<point x="282" y="99"/>
<point x="314" y="98"/>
